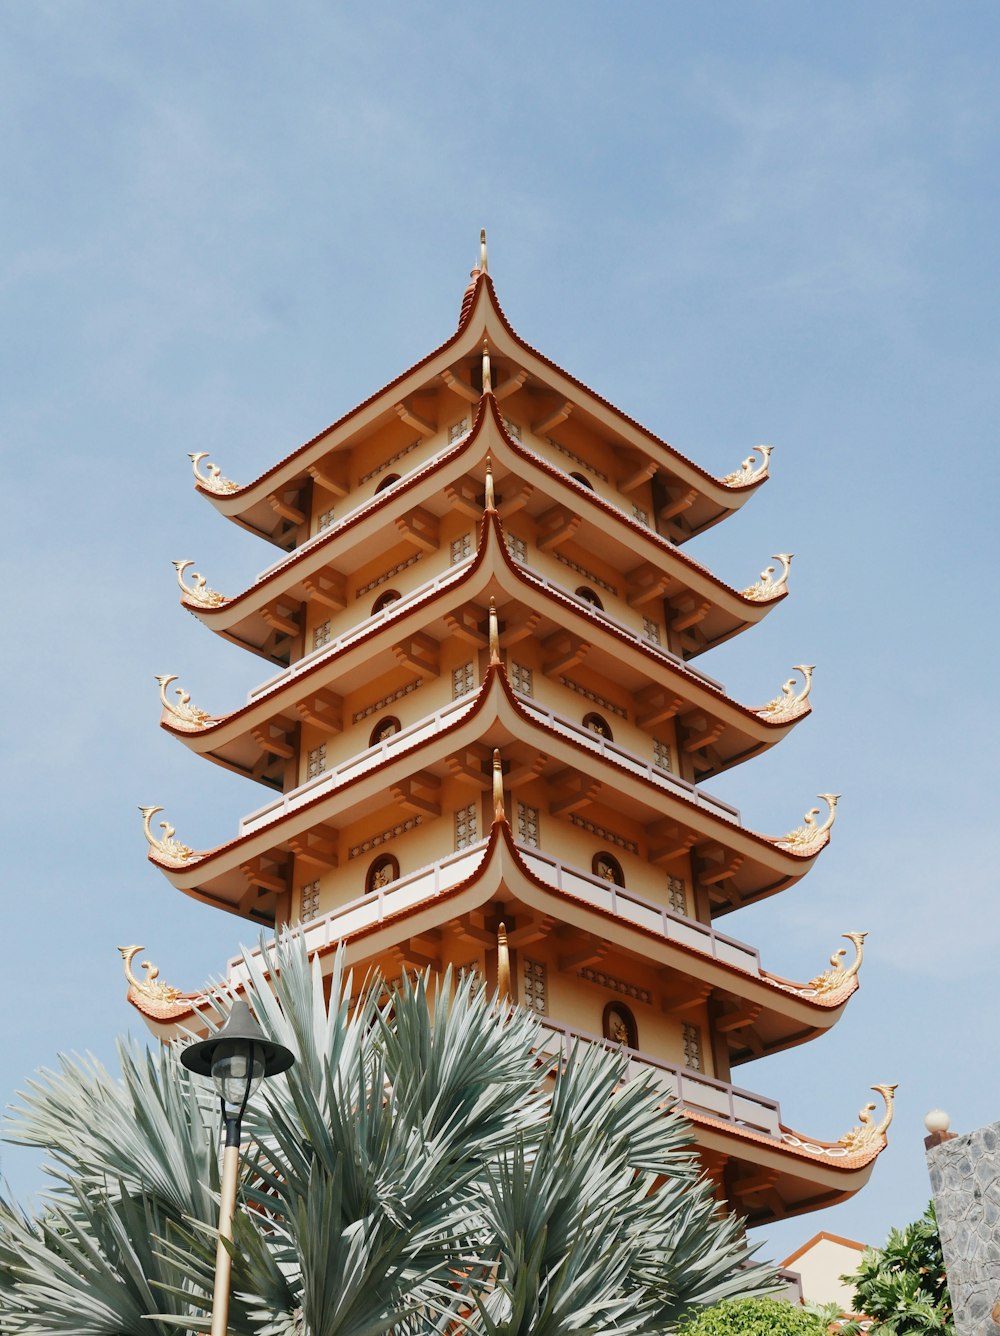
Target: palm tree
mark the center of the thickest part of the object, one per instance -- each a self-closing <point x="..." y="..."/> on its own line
<point x="419" y="1170"/>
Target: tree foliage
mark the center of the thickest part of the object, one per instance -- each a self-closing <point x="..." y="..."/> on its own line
<point x="755" y="1317"/>
<point x="419" y="1170"/>
<point x="903" y="1286"/>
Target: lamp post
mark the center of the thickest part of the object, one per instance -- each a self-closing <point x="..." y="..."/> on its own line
<point x="237" y="1058"/>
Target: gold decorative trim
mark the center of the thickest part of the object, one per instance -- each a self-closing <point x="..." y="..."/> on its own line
<point x="192" y="716"/>
<point x="149" y="987"/>
<point x="809" y="833"/>
<point x="490" y="503"/>
<point x="789" y="704"/>
<point x="865" y="1137"/>
<point x="503" y="963"/>
<point x="837" y="976"/>
<point x="494" y="633"/>
<point x="766" y="587"/>
<point x="751" y="470"/>
<point x="198" y="593"/>
<point x="499" y="812"/>
<point x="166" y="848"/>
<point x="212" y="479"/>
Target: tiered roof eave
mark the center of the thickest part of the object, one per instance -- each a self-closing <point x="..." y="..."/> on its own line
<point x="250" y="504"/>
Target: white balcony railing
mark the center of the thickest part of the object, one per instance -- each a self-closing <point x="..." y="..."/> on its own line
<point x="692" y="1090"/>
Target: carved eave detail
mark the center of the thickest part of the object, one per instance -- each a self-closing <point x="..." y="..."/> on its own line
<point x="181" y="713"/>
<point x="752" y="470"/>
<point x="838" y="979"/>
<point x="766" y="588"/>
<point x="793" y="700"/>
<point x="165" y="848"/>
<point x="809" y="836"/>
<point x="211" y="480"/>
<point x="866" y="1139"/>
<point x="199" y="595"/>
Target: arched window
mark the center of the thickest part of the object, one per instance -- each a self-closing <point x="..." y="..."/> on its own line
<point x="387" y="481"/>
<point x="588" y="596"/>
<point x="597" y="723"/>
<point x="608" y="868"/>
<point x="584" y="482"/>
<point x="619" y="1025"/>
<point x="383" y="600"/>
<point x="381" y="872"/>
<point x="385" y="728"/>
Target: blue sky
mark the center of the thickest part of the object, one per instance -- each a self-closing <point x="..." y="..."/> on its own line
<point x="226" y="223"/>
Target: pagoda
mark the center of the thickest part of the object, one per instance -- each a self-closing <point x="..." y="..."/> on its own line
<point x="485" y="738"/>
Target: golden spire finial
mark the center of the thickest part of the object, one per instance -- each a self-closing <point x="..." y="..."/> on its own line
<point x="183" y="711"/>
<point x="503" y="963"/>
<point x="837" y="977"/>
<point x="490" y="498"/>
<point x="487" y="375"/>
<point x="494" y="633"/>
<point x="483" y="261"/>
<point x="149" y="987"/>
<point x="166" y="848"/>
<point x="499" y="814"/>
<point x="198" y="593"/>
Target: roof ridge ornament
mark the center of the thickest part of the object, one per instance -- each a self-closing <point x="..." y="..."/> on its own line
<point x="212" y="480"/>
<point x="865" y="1137"/>
<point x="183" y="711"/>
<point x="487" y="373"/>
<point x="747" y="472"/>
<point x="166" y="848"/>
<point x="499" y="812"/>
<point x="807" y="835"/>
<point x="836" y="978"/>
<point x="150" y="987"/>
<point x="789" y="704"/>
<point x="490" y="502"/>
<point x="199" y="593"/>
<point x="764" y="588"/>
<point x="503" y="963"/>
<point x="484" y="264"/>
<point x="494" y="634"/>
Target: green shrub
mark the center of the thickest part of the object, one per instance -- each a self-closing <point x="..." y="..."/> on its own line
<point x="754" y="1317"/>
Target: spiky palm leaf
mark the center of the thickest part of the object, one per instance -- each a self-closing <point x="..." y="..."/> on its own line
<point x="419" y="1170"/>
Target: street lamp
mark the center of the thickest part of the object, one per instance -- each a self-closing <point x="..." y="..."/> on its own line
<point x="237" y="1058"/>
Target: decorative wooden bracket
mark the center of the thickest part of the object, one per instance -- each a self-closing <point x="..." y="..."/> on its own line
<point x="580" y="791"/>
<point x="284" y="621"/>
<point x="589" y="950"/>
<point x="688" y="611"/>
<point x="472" y="928"/>
<point x="668" y="840"/>
<point x="419" y="793"/>
<point x="331" y="473"/>
<point x="739" y="1018"/>
<point x="328" y="588"/>
<point x="635" y="480"/>
<point x="694" y="993"/>
<point x="678" y="501"/>
<point x="420" y="528"/>
<point x="317" y="847"/>
<point x="323" y="708"/>
<point x="263" y="875"/>
<point x="525" y="934"/>
<point x="510" y="386"/>
<point x="285" y="505"/>
<point x="563" y="650"/>
<point x="460" y="388"/>
<point x="557" y="525"/>
<point x="700" y="730"/>
<point x="646" y="583"/>
<point x="419" y="424"/>
<point x="522" y="772"/>
<point x="470" y="623"/>
<point x="655" y="705"/>
<point x="519" y="623"/>
<point x="277" y="737"/>
<point x="554" y="419"/>
<point x="420" y="653"/>
<point x="465" y="495"/>
<point x="473" y="765"/>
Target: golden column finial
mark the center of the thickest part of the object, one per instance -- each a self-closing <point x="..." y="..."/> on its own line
<point x="487" y="374"/>
<point x="483" y="261"/>
<point x="499" y="813"/>
<point x="503" y="963"/>
<point x="212" y="479"/>
<point x="837" y="977"/>
<point x="765" y="587"/>
<point x="490" y="496"/>
<point x="166" y="847"/>
<point x="199" y="592"/>
<point x="183" y="711"/>
<point x="494" y="633"/>
<point x="150" y="986"/>
<point x="868" y="1135"/>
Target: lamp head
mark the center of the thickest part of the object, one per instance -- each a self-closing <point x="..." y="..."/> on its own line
<point x="937" y="1121"/>
<point x="237" y="1057"/>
